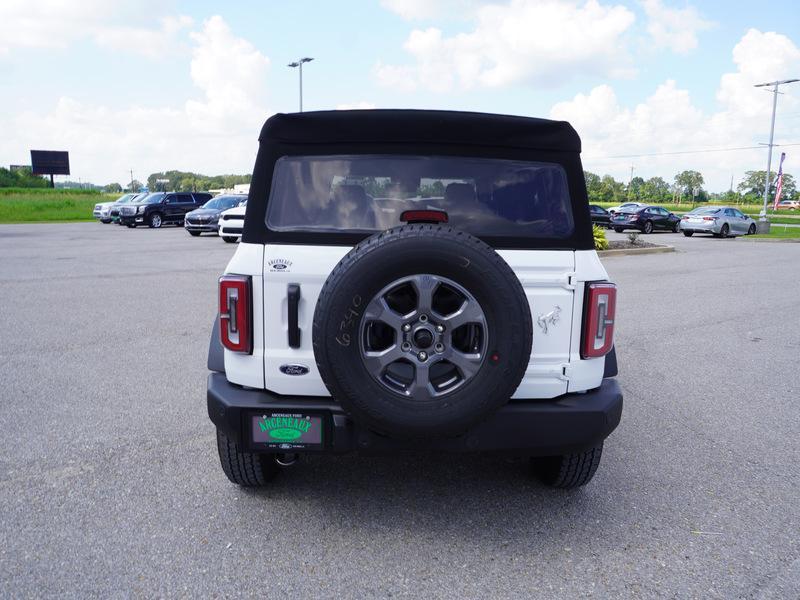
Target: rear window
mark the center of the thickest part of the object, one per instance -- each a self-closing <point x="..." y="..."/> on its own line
<point x="367" y="193"/>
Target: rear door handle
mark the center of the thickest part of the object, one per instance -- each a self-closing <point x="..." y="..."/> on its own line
<point x="293" y="295"/>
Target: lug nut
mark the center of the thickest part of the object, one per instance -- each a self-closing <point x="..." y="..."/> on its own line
<point x="407" y="327"/>
<point x="439" y="347"/>
<point x="439" y="328"/>
<point x="405" y="346"/>
<point x="422" y="356"/>
<point x="423" y="318"/>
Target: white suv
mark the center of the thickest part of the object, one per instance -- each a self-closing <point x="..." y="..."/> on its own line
<point x="415" y="280"/>
<point x="231" y="223"/>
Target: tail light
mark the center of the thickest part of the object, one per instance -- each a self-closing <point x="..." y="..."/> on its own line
<point x="709" y="218"/>
<point x="684" y="218"/>
<point x="598" y="319"/>
<point x="236" y="313"/>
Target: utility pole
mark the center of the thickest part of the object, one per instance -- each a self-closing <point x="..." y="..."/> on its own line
<point x="299" y="63"/>
<point x="764" y="227"/>
<point x="132" y="181"/>
<point x="630" y="181"/>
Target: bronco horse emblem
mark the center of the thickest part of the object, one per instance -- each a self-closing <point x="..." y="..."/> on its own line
<point x="552" y="318"/>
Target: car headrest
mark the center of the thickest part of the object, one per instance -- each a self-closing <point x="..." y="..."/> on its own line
<point x="459" y="193"/>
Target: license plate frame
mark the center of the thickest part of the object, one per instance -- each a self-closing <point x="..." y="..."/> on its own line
<point x="287" y="430"/>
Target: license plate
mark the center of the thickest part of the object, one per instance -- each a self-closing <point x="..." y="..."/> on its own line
<point x="287" y="431"/>
<point x="695" y="220"/>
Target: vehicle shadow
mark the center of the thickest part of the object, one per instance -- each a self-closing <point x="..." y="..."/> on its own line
<point x="479" y="498"/>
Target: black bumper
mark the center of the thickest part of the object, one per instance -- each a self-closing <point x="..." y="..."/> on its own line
<point x="570" y="423"/>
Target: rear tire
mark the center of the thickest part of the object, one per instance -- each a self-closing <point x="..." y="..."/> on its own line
<point x="569" y="470"/>
<point x="752" y="229"/>
<point x="725" y="231"/>
<point x="228" y="239"/>
<point x="648" y="227"/>
<point x="245" y="468"/>
<point x="677" y="227"/>
<point x="688" y="233"/>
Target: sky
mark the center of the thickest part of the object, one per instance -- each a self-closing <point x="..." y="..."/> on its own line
<point x="156" y="85"/>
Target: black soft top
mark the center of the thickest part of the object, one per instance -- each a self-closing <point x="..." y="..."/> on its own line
<point x="413" y="132"/>
<point x="421" y="126"/>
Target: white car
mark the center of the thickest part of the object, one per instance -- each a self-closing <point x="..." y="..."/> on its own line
<point x="102" y="210"/>
<point x="231" y="222"/>
<point x="362" y="313"/>
<point x="630" y="206"/>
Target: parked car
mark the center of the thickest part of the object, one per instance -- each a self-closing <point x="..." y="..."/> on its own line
<point x="788" y="205"/>
<point x="231" y="223"/>
<point x="159" y="208"/>
<point x="719" y="221"/>
<point x="362" y="315"/>
<point x="102" y="210"/>
<point x="113" y="211"/>
<point x="626" y="206"/>
<point x="206" y="218"/>
<point x="646" y="219"/>
<point x="600" y="216"/>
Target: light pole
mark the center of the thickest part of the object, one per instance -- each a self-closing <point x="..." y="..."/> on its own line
<point x="774" y="85"/>
<point x="299" y="63"/>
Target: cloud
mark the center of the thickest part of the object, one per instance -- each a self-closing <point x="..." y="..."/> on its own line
<point x="355" y="106"/>
<point x="429" y="9"/>
<point x="232" y="74"/>
<point x="152" y="43"/>
<point x="128" y="25"/>
<point x="216" y="132"/>
<point x="668" y="121"/>
<point x="543" y="42"/>
<point x="674" y="28"/>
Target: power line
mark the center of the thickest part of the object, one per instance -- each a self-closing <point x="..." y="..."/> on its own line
<point x="685" y="152"/>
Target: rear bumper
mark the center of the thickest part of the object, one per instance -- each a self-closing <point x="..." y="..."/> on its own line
<point x="570" y="423"/>
<point x="701" y="227"/>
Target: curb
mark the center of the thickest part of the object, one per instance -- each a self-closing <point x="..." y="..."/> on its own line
<point x="626" y="251"/>
<point x="775" y="241"/>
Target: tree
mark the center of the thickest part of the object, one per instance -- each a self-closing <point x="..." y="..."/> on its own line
<point x="611" y="190"/>
<point x="689" y="181"/>
<point x="112" y="188"/>
<point x="752" y="186"/>
<point x="21" y="178"/>
<point x="635" y="188"/>
<point x="655" y="189"/>
<point x="135" y="186"/>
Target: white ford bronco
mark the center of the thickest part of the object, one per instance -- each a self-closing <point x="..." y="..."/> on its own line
<point x="415" y="280"/>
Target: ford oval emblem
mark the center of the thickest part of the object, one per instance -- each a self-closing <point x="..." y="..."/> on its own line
<point x="294" y="369"/>
<point x="279" y="267"/>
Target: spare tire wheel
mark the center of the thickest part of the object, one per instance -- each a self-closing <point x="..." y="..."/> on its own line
<point x="422" y="331"/>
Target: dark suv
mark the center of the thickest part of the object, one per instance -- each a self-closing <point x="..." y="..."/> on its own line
<point x="159" y="208"/>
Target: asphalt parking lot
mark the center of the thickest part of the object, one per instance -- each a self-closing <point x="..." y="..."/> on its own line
<point x="110" y="484"/>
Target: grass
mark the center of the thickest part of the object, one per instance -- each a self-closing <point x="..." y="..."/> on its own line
<point x="39" y="205"/>
<point x="687" y="206"/>
<point x="780" y="233"/>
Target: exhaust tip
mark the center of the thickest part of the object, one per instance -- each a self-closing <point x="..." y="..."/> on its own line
<point x="286" y="460"/>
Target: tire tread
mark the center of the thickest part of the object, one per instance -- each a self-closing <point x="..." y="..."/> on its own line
<point x="244" y="468"/>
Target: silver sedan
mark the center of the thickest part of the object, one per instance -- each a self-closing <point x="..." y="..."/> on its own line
<point x="719" y="221"/>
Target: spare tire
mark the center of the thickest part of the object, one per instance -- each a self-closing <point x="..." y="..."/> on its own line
<point x="422" y="331"/>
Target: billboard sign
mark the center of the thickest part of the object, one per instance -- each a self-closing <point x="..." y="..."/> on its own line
<point x="49" y="162"/>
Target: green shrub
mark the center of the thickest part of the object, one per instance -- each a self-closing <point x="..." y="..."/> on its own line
<point x="600" y="241"/>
